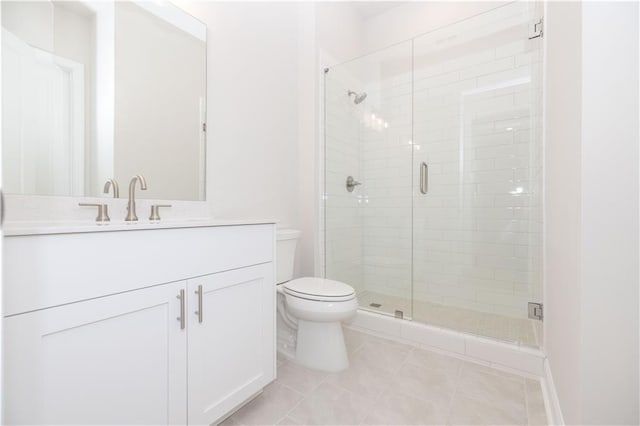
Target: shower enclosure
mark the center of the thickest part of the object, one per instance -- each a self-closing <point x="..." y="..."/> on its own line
<point x="432" y="176"/>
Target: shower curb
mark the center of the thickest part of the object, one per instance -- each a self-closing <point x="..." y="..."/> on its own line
<point x="513" y="358"/>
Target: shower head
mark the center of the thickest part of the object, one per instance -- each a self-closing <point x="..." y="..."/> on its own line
<point x="359" y="97"/>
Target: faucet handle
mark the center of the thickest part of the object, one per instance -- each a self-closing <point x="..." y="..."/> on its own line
<point x="103" y="212"/>
<point x="155" y="211"/>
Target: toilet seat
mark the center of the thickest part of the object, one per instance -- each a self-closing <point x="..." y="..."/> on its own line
<point x="320" y="289"/>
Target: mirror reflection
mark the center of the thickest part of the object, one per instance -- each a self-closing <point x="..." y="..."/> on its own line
<point x="96" y="90"/>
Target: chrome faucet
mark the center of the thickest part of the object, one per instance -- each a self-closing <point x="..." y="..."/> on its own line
<point x="131" y="205"/>
<point x="116" y="190"/>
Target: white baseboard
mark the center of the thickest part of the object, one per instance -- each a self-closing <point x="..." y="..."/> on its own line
<point x="551" y="402"/>
<point x="514" y="358"/>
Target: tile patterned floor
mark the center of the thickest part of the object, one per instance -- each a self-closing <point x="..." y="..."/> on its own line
<point x="389" y="383"/>
<point x="501" y="327"/>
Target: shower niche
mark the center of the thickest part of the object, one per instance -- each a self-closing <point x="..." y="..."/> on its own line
<point x="442" y="135"/>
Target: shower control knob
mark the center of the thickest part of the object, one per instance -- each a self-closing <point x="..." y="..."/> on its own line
<point x="352" y="183"/>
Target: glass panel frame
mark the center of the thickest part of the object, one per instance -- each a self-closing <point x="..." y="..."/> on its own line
<point x="477" y="231"/>
<point x="473" y="258"/>
<point x="368" y="230"/>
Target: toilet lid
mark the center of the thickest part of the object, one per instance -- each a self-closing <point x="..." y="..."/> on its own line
<point x="318" y="288"/>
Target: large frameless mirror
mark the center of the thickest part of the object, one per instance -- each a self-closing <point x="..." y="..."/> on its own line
<point x="96" y="90"/>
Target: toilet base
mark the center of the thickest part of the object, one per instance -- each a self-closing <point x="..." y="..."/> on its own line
<point x="320" y="345"/>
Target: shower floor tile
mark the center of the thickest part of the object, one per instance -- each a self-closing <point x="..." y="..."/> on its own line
<point x="500" y="327"/>
<point x="383" y="303"/>
<point x="400" y="385"/>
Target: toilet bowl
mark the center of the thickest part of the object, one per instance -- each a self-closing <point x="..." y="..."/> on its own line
<point x="310" y="314"/>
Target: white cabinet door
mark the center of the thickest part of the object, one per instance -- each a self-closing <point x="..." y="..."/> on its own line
<point x="119" y="359"/>
<point x="232" y="346"/>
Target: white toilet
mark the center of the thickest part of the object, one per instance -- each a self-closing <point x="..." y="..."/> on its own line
<point x="310" y="312"/>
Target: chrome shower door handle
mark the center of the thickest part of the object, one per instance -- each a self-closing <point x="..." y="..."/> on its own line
<point x="181" y="317"/>
<point x="424" y="178"/>
<point x="199" y="311"/>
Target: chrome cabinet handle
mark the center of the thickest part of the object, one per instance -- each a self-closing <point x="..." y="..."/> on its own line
<point x="424" y="178"/>
<point x="181" y="317"/>
<point x="199" y="311"/>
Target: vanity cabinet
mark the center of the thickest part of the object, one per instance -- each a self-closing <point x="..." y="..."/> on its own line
<point x="184" y="351"/>
<point x="226" y="347"/>
<point x="113" y="360"/>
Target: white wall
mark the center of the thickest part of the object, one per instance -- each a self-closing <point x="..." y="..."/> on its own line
<point x="610" y="141"/>
<point x="252" y="74"/>
<point x="339" y="32"/>
<point x="562" y="221"/>
<point x="330" y="33"/>
<point x="591" y="225"/>
<point x="308" y="131"/>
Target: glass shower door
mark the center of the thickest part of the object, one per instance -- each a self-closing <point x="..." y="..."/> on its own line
<point x="477" y="222"/>
<point x="368" y="173"/>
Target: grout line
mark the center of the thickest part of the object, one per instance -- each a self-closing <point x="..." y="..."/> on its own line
<point x="321" y="382"/>
<point x="430" y="401"/>
<point x="304" y="397"/>
<point x="526" y="403"/>
<point x="455" y="391"/>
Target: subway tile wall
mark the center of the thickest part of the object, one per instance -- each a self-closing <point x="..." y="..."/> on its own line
<point x="465" y="100"/>
<point x="342" y="224"/>
<point x="386" y="170"/>
<point x="476" y="124"/>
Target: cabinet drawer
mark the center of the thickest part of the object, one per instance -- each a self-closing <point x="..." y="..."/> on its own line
<point x="41" y="271"/>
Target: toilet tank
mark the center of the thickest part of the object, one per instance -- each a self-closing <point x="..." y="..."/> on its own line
<point x="286" y="242"/>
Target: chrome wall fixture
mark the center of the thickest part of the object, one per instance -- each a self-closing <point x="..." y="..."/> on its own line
<point x="352" y="183"/>
<point x="358" y="97"/>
